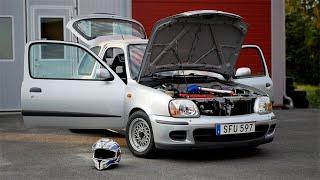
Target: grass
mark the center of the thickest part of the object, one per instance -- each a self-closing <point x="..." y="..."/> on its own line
<point x="313" y="94"/>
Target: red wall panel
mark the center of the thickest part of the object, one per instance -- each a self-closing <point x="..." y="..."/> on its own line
<point x="257" y="13"/>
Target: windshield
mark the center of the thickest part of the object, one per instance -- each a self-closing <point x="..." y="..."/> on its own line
<point x="92" y="28"/>
<point x="136" y="52"/>
<point x="191" y="73"/>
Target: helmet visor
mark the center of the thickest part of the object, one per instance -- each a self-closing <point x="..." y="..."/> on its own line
<point x="104" y="154"/>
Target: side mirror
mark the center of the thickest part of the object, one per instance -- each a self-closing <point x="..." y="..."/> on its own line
<point x="104" y="74"/>
<point x="243" y="71"/>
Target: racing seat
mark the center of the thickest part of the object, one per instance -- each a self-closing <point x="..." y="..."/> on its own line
<point x="119" y="67"/>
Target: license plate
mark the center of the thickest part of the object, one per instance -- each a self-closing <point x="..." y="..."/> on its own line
<point x="238" y="128"/>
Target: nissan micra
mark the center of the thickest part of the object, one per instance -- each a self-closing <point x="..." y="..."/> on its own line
<point x="178" y="90"/>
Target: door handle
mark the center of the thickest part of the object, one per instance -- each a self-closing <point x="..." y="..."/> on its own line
<point x="35" y="90"/>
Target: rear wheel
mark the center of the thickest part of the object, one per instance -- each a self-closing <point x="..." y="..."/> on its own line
<point x="139" y="135"/>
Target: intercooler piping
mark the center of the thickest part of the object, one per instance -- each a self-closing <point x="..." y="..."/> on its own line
<point x="196" y="89"/>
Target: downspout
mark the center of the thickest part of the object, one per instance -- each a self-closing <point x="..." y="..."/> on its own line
<point x="125" y="8"/>
<point x="76" y="7"/>
<point x="76" y="13"/>
<point x="26" y="20"/>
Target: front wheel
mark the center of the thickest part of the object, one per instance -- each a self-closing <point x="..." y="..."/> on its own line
<point x="139" y="135"/>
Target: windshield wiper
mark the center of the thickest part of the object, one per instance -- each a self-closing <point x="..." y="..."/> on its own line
<point x="154" y="76"/>
<point x="193" y="75"/>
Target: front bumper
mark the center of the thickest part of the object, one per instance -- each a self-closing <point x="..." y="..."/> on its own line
<point x="200" y="132"/>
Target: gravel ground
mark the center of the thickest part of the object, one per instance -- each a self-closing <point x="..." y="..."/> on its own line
<point x="61" y="154"/>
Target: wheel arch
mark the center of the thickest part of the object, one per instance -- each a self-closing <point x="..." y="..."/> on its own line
<point x="147" y="151"/>
<point x="133" y="110"/>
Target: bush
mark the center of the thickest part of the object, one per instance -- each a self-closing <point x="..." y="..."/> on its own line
<point x="303" y="40"/>
<point x="313" y="94"/>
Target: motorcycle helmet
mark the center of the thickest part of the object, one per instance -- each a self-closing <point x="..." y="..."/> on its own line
<point x="106" y="153"/>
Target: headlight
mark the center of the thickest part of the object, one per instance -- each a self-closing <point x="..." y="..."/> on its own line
<point x="262" y="105"/>
<point x="183" y="108"/>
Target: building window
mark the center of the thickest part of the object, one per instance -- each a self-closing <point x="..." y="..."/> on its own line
<point x="6" y="38"/>
<point x="52" y="29"/>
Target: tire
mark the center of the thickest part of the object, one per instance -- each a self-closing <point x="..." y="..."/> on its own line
<point x="139" y="135"/>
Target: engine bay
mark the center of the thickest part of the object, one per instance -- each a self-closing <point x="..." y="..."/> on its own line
<point x="213" y="98"/>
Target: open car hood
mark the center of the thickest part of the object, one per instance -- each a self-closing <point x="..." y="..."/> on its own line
<point x="205" y="40"/>
<point x="89" y="29"/>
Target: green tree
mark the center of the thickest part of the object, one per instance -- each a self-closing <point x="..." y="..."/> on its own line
<point x="303" y="40"/>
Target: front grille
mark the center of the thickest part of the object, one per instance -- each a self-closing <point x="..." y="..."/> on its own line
<point x="242" y="107"/>
<point x="227" y="108"/>
<point x="209" y="135"/>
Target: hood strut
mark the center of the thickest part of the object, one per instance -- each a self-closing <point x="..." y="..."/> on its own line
<point x="219" y="50"/>
<point x="184" y="31"/>
<point x="196" y="38"/>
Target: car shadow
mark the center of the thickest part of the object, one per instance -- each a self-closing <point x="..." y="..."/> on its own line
<point x="212" y="155"/>
<point x="97" y="132"/>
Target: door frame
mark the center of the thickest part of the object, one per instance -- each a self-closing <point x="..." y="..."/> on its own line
<point x="32" y="19"/>
<point x="28" y="45"/>
<point x="263" y="60"/>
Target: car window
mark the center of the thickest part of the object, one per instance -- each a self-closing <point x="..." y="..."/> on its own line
<point x="111" y="53"/>
<point x="136" y="52"/>
<point x="92" y="28"/>
<point x="76" y="64"/>
<point x="250" y="57"/>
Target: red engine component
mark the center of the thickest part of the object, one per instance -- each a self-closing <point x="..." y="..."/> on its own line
<point x="196" y="96"/>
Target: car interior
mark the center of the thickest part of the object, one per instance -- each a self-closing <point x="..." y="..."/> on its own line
<point x="118" y="66"/>
<point x="114" y="57"/>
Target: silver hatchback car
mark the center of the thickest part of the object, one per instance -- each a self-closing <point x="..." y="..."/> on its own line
<point x="178" y="90"/>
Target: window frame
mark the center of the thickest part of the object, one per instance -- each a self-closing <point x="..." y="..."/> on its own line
<point x="69" y="44"/>
<point x="13" y="39"/>
<point x="261" y="58"/>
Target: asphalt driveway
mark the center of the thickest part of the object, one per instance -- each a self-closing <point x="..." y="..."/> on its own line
<point x="61" y="154"/>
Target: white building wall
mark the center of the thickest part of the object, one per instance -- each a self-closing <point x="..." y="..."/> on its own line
<point x="118" y="7"/>
<point x="11" y="70"/>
